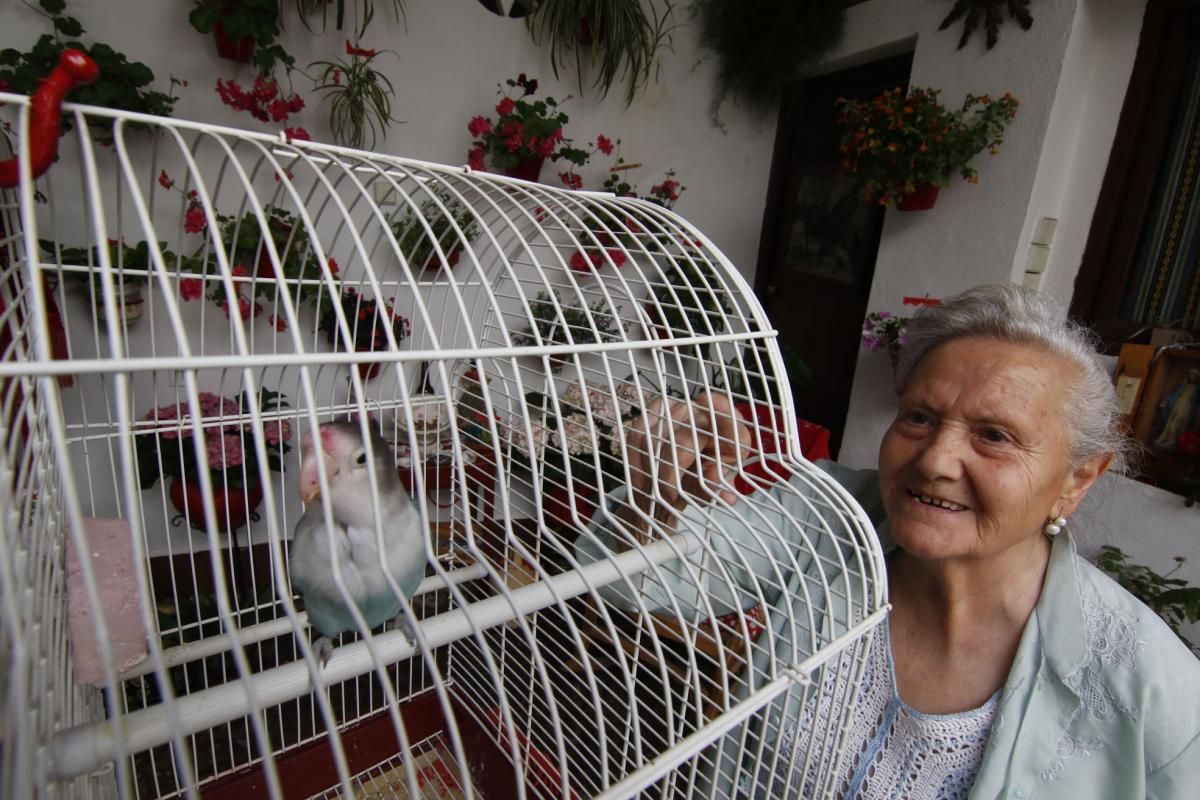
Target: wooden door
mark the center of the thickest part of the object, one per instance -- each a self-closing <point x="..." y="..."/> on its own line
<point x="820" y="238"/>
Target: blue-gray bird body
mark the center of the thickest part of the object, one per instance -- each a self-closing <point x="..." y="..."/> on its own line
<point x="355" y="547"/>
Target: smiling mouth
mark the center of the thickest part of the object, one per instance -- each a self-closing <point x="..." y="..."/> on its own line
<point x="936" y="502"/>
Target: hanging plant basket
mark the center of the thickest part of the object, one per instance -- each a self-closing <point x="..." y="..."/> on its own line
<point x="922" y="199"/>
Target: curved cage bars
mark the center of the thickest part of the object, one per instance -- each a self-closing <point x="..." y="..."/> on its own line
<point x="179" y="307"/>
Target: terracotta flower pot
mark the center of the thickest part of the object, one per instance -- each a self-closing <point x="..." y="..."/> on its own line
<point x="529" y="169"/>
<point x="241" y="51"/>
<point x="235" y="505"/>
<point x="922" y="199"/>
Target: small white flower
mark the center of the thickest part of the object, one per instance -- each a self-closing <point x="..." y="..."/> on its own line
<point x="531" y="447"/>
<point x="578" y="433"/>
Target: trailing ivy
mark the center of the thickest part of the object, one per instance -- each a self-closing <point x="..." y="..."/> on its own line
<point x="764" y="45"/>
<point x="123" y="84"/>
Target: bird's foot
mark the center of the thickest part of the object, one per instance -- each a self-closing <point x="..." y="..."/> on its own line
<point x="323" y="650"/>
<point x="401" y="623"/>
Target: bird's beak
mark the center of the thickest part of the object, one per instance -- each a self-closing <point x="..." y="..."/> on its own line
<point x="310" y="476"/>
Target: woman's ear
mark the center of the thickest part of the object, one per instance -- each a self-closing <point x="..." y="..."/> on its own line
<point x="1077" y="484"/>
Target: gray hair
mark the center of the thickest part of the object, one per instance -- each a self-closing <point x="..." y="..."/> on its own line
<point x="1022" y="316"/>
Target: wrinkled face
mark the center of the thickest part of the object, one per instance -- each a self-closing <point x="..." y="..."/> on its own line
<point x="976" y="460"/>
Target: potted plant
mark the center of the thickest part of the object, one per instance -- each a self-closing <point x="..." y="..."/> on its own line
<point x="244" y="30"/>
<point x="763" y="49"/>
<point x="363" y="12"/>
<point x="360" y="97"/>
<point x="584" y="434"/>
<point x="619" y="38"/>
<point x="130" y="267"/>
<point x="524" y="135"/>
<point x="168" y="448"/>
<point x="558" y="323"/>
<point x="906" y="146"/>
<point x="883" y="330"/>
<point x="690" y="301"/>
<point x="445" y="217"/>
<point x="369" y="321"/>
<point x="122" y="83"/>
<point x="259" y="278"/>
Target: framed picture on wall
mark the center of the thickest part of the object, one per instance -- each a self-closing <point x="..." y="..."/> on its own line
<point x="1167" y="421"/>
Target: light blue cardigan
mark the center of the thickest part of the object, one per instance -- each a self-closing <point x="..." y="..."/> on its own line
<point x="1102" y="701"/>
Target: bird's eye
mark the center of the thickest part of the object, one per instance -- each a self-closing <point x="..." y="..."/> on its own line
<point x="362" y="459"/>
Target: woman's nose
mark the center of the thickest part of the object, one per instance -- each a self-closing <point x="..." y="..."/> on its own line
<point x="941" y="454"/>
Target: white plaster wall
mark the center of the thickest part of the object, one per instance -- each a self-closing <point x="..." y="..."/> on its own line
<point x="1069" y="72"/>
<point x="446" y="69"/>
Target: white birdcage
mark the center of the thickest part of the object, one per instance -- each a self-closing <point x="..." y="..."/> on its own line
<point x="148" y="653"/>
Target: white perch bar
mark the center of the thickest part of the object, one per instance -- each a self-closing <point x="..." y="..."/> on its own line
<point x="85" y="748"/>
<point x="252" y="634"/>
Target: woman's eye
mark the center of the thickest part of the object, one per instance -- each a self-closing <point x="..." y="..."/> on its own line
<point x="914" y="417"/>
<point x="995" y="435"/>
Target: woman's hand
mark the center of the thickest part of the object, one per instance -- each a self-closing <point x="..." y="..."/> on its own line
<point x="680" y="452"/>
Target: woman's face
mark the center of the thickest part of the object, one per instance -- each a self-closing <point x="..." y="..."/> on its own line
<point x="976" y="460"/>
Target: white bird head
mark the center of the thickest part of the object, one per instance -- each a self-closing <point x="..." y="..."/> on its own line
<point x="340" y="446"/>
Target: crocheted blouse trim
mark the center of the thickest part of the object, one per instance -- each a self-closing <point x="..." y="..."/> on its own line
<point x="893" y="750"/>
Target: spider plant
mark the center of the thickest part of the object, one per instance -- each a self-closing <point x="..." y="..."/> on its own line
<point x="360" y="97"/>
<point x="621" y="37"/>
<point x="307" y="9"/>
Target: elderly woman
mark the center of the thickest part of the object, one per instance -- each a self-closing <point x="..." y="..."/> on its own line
<point x="1009" y="666"/>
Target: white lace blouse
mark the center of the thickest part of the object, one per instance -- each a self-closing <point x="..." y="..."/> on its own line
<point x="900" y="752"/>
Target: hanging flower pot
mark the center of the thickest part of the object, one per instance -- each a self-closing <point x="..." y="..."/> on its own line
<point x="529" y="169"/>
<point x="130" y="305"/>
<point x="241" y="51"/>
<point x="235" y="505"/>
<point x="922" y="199"/>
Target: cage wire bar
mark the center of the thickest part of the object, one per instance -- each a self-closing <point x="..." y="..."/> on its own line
<point x="178" y="307"/>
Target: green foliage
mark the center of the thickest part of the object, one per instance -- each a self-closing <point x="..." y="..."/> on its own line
<point x="1171" y="598"/>
<point x="123" y="84"/>
<point x="255" y="18"/>
<point x="745" y="378"/>
<point x="557" y="323"/>
<point x="524" y="129"/>
<point x="120" y="255"/>
<point x="417" y="244"/>
<point x="765" y="45"/>
<point x="360" y="98"/>
<point x="309" y="9"/>
<point x="898" y="142"/>
<point x="691" y="301"/>
<point x="617" y="37"/>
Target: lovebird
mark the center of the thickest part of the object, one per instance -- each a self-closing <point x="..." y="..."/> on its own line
<point x="340" y="445"/>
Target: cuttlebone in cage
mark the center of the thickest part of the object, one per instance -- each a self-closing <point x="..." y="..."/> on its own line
<point x="178" y="309"/>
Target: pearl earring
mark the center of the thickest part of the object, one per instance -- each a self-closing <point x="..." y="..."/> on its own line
<point x="1055" y="527"/>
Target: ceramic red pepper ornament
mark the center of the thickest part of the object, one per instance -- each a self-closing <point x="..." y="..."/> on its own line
<point x="75" y="68"/>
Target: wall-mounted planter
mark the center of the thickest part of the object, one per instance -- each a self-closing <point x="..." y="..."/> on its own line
<point x="241" y="51"/>
<point x="922" y="199"/>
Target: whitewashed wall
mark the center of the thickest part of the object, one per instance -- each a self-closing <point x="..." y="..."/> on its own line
<point x="1070" y="72"/>
<point x="448" y="63"/>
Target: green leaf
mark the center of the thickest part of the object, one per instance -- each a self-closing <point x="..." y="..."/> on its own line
<point x="68" y="26"/>
<point x="53" y="6"/>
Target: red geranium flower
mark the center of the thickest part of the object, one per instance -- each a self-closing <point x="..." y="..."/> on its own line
<point x="478" y="126"/>
<point x="191" y="288"/>
<point x="604" y="144"/>
<point x="505" y="106"/>
<point x="194" y="220"/>
<point x="164" y="180"/>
